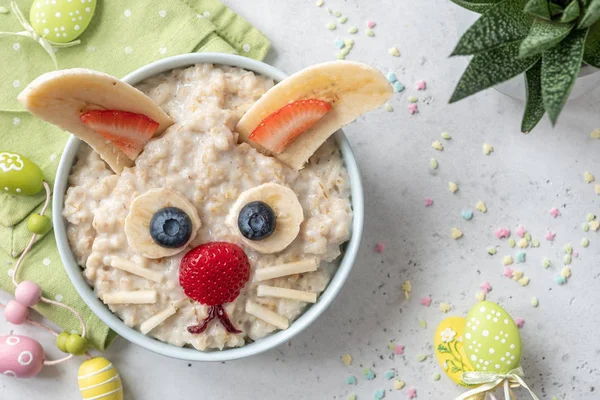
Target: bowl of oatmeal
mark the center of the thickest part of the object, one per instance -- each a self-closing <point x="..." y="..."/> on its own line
<point x="200" y="160"/>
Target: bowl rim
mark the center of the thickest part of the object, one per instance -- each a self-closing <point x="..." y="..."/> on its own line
<point x="190" y="354"/>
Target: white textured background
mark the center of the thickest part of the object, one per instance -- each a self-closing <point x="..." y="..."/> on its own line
<point x="520" y="182"/>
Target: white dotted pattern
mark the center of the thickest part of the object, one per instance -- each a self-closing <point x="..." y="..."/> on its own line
<point x="25" y="358"/>
<point x="12" y="340"/>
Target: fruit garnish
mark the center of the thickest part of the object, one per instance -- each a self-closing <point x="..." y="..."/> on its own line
<point x="170" y="227"/>
<point x="129" y="132"/>
<point x="256" y="221"/>
<point x="283" y="126"/>
<point x="214" y="274"/>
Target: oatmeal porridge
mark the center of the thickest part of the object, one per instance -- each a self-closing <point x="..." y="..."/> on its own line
<point x="199" y="158"/>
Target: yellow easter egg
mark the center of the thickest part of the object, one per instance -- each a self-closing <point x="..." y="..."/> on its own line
<point x="98" y="378"/>
<point x="449" y="348"/>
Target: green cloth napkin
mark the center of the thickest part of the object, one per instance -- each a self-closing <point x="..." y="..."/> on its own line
<point x="123" y="36"/>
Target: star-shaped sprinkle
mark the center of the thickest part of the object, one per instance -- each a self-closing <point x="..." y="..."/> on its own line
<point x="413" y="108"/>
<point x="554" y="212"/>
<point x="508" y="272"/>
<point x="520" y="231"/>
<point x="487" y="149"/>
<point x="380" y="247"/>
<point x="519" y="322"/>
<point x="347" y="359"/>
<point x="426" y="301"/>
<point x="399" y="384"/>
<point x="398" y="349"/>
<point x="486" y="287"/>
<point x="453" y="187"/>
<point x="445" y="307"/>
<point x="428" y="202"/>
<point x="502" y="233"/>
<point x="550" y="236"/>
<point x="406" y="288"/>
<point x="456" y="233"/>
<point x="421" y="85"/>
<point x="412" y="393"/>
<point x="588" y="177"/>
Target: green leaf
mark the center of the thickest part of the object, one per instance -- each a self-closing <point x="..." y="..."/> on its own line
<point x="591" y="54"/>
<point x="454" y="369"/>
<point x="538" y="8"/>
<point x="542" y="36"/>
<point x="571" y="12"/>
<point x="490" y="68"/>
<point x="478" y="6"/>
<point x="560" y="66"/>
<point x="443" y="349"/>
<point x="534" y="109"/>
<point x="555" y="9"/>
<point x="592" y="14"/>
<point x="503" y="23"/>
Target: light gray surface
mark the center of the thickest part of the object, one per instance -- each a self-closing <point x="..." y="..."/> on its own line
<point x="520" y="182"/>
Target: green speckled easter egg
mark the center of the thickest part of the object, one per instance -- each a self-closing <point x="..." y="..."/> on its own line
<point x="61" y="21"/>
<point x="19" y="175"/>
<point x="492" y="340"/>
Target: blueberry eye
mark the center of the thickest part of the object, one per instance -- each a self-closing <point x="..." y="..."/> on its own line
<point x="170" y="227"/>
<point x="256" y="221"/>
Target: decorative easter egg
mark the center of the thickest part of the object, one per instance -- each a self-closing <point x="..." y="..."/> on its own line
<point x="61" y="21"/>
<point x="99" y="379"/>
<point x="19" y="175"/>
<point x="492" y="340"/>
<point x="20" y="356"/>
<point x="449" y="348"/>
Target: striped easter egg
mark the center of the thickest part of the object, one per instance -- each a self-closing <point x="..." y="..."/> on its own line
<point x="98" y="379"/>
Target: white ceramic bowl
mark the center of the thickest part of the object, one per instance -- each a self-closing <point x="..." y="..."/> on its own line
<point x="310" y="315"/>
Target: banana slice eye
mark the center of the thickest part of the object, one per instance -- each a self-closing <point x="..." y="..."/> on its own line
<point x="161" y="223"/>
<point x="266" y="218"/>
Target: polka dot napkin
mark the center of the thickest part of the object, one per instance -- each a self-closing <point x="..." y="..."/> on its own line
<point x="122" y="36"/>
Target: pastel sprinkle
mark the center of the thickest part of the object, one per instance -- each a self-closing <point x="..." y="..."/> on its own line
<point x="391" y="77"/>
<point x="406" y="288"/>
<point x="524" y="281"/>
<point x="412" y="99"/>
<point x="371" y="24"/>
<point x="351" y="380"/>
<point x="433" y="163"/>
<point x="411" y="393"/>
<point x="349" y="42"/>
<point x="480" y="296"/>
<point x="481" y="206"/>
<point x="535" y="243"/>
<point x="445" y="307"/>
<point x="453" y="187"/>
<point x="585" y="242"/>
<point x="380" y="247"/>
<point x="339" y="43"/>
<point x="546" y="262"/>
<point x="421" y="357"/>
<point x="521" y="256"/>
<point x="399" y="384"/>
<point x="343" y="19"/>
<point x="446" y="136"/>
<point x="428" y="202"/>
<point x="554" y="212"/>
<point x="588" y="177"/>
<point x="398" y="87"/>
<point x="566" y="272"/>
<point x="456" y="233"/>
<point x="590" y="217"/>
<point x="347" y="359"/>
<point x="413" y="108"/>
<point x="369" y="32"/>
<point x="423" y="323"/>
<point x="345" y="51"/>
<point x="597" y="189"/>
<point x="486" y="287"/>
<point x="337" y="14"/>
<point x="398" y="349"/>
<point x="502" y="233"/>
<point x="368" y="374"/>
<point x="328" y="10"/>
<point x="517" y="275"/>
<point x="352" y="30"/>
<point x="487" y="149"/>
<point x="3" y="10"/>
<point x="426" y="301"/>
<point x="567" y="259"/>
<point x="535" y="302"/>
<point x="421" y="85"/>
<point x="436" y="377"/>
<point x="390" y="374"/>
<point x="394" y="52"/>
<point x="594" y="225"/>
<point x="379" y="394"/>
<point x="559" y="279"/>
<point x="523" y="243"/>
<point x="527" y="236"/>
<point x="352" y="397"/>
<point x="585" y="227"/>
<point x="550" y="236"/>
<point x="331" y="26"/>
<point x="519" y="322"/>
<point x="320" y="3"/>
<point x="507" y="260"/>
<point x="467" y="214"/>
<point x="340" y="56"/>
<point x="388" y="107"/>
<point x="568" y="249"/>
<point x="520" y="231"/>
<point x="491" y="251"/>
<point x="511" y="243"/>
<point x="595" y="134"/>
<point x="508" y="272"/>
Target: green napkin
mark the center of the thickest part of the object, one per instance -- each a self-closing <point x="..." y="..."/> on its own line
<point x="123" y="36"/>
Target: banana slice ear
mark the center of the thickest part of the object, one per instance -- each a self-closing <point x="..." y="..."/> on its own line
<point x="351" y="88"/>
<point x="60" y="97"/>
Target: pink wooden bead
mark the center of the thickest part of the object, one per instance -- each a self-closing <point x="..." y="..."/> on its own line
<point x="20" y="356"/>
<point x="15" y="312"/>
<point x="28" y="293"/>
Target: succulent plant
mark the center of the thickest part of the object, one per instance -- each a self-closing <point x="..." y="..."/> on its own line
<point x="548" y="40"/>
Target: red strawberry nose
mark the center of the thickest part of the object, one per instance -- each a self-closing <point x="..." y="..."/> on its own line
<point x="214" y="274"/>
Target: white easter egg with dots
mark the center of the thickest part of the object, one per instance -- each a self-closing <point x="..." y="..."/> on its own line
<point x="492" y="341"/>
<point x="61" y="21"/>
